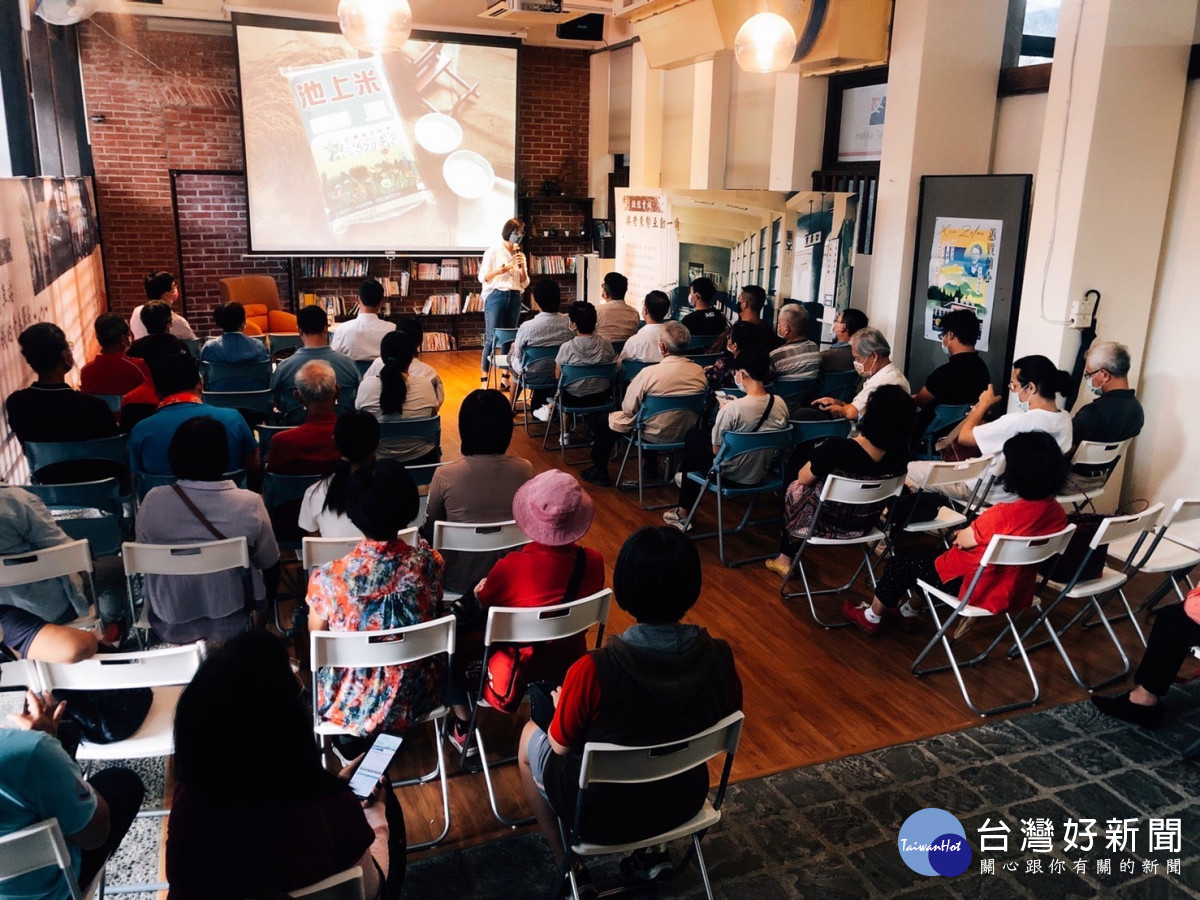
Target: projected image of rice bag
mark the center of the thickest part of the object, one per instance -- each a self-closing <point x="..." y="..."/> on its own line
<point x="360" y="146"/>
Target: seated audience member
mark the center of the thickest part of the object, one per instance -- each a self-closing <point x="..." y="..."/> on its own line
<point x="233" y="346"/>
<point x="963" y="377"/>
<point x="479" y="487"/>
<point x="1034" y="385"/>
<point x="1114" y="414"/>
<point x="643" y="346"/>
<point x="383" y="583"/>
<point x="177" y="381"/>
<point x="839" y="357"/>
<point x="39" y="780"/>
<point x="547" y="329"/>
<point x="659" y="681"/>
<point x="27" y="525"/>
<point x="204" y="506"/>
<point x="759" y="410"/>
<point x="586" y="348"/>
<point x="161" y="286"/>
<point x="879" y="450"/>
<point x="308" y="449"/>
<point x="156" y="339"/>
<point x="705" y="319"/>
<point x="313" y="325"/>
<point x="323" y="510"/>
<point x="1175" y="632"/>
<point x="555" y="512"/>
<point x="751" y="301"/>
<point x="268" y="819"/>
<point x="396" y="394"/>
<point x="676" y="374"/>
<point x="51" y="410"/>
<point x="411" y="325"/>
<point x="872" y="360"/>
<point x="616" y="320"/>
<point x="741" y="336"/>
<point x="1034" y="474"/>
<point x="112" y="372"/>
<point x="24" y="635"/>
<point x="798" y="359"/>
<point x="359" y="338"/>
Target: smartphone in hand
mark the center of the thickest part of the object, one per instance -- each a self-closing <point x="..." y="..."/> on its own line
<point x="374" y="764"/>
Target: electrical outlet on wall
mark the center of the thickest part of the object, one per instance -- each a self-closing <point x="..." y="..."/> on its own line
<point x="1083" y="310"/>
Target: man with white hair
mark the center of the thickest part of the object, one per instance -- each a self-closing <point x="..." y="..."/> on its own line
<point x="799" y="357"/>
<point x="873" y="361"/>
<point x="1115" y="414"/>
<point x="308" y="449"/>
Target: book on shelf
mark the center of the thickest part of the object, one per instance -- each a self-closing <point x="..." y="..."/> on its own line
<point x="473" y="303"/>
<point x="395" y="287"/>
<point x="470" y="266"/>
<point x="552" y="265"/>
<point x="446" y="270"/>
<point x="333" y="267"/>
<point x="442" y="305"/>
<point x="437" y="340"/>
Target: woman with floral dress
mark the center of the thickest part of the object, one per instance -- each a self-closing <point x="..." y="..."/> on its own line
<point x="383" y="583"/>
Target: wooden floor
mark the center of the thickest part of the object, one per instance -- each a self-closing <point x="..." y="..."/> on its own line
<point x="810" y="694"/>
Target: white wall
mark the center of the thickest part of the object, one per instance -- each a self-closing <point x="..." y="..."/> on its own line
<point x="1018" y="136"/>
<point x="1166" y="457"/>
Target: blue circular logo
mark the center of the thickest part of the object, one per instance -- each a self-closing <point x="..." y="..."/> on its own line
<point x="933" y="842"/>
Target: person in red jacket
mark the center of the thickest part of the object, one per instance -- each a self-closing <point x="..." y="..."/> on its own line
<point x="112" y="372"/>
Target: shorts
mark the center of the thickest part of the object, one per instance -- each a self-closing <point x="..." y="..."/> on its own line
<point x="539" y="751"/>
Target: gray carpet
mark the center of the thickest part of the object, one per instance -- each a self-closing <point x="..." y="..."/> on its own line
<point x="830" y="830"/>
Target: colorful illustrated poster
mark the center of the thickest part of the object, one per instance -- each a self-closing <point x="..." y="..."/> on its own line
<point x="961" y="272"/>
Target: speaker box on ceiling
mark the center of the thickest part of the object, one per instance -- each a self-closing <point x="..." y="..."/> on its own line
<point x="585" y="28"/>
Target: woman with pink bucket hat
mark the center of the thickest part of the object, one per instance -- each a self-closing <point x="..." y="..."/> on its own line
<point x="555" y="512"/>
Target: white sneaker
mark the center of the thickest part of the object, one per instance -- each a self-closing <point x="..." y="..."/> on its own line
<point x="675" y="520"/>
<point x="543" y="413"/>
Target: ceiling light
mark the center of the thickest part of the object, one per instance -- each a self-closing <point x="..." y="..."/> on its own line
<point x="375" y="26"/>
<point x="65" y="12"/>
<point x="765" y="43"/>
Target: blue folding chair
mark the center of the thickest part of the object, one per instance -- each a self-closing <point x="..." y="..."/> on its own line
<point x="840" y="386"/>
<point x="362" y="365"/>
<point x="703" y="360"/>
<point x="255" y="406"/>
<point x="691" y="405"/>
<point x="735" y="444"/>
<point x="279" y="344"/>
<point x="193" y="347"/>
<point x="144" y="482"/>
<point x="502" y="341"/>
<point x="87" y="510"/>
<point x="794" y="391"/>
<point x="238" y="376"/>
<point x="804" y="431"/>
<point x="265" y="434"/>
<point x="427" y="430"/>
<point x="539" y="381"/>
<point x="571" y="376"/>
<point x="701" y="342"/>
<point x="113" y="401"/>
<point x="40" y="454"/>
<point x="627" y="372"/>
<point x="944" y="416"/>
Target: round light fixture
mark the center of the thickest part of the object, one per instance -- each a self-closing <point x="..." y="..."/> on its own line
<point x="375" y="26"/>
<point x="765" y="43"/>
<point x="65" y="12"/>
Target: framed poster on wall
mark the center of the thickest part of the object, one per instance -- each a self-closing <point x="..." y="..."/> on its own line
<point x="972" y="232"/>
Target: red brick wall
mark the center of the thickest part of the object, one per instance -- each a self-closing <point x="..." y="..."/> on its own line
<point x="181" y="112"/>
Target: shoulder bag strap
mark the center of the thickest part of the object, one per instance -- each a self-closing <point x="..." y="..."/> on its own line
<point x="572" y="592"/>
<point x="187" y="501"/>
<point x="766" y="411"/>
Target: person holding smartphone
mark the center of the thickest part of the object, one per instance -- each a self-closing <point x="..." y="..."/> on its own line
<point x="267" y="817"/>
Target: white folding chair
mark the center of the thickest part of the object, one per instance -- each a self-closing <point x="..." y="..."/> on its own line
<point x="476" y="537"/>
<point x="1171" y="548"/>
<point x="849" y="500"/>
<point x="1092" y="590"/>
<point x="316" y="551"/>
<point x="533" y="625"/>
<point x="1002" y="550"/>
<point x="203" y="558"/>
<point x="389" y="647"/>
<point x="59" y="561"/>
<point x="940" y="475"/>
<point x="346" y="885"/>
<point x="41" y="846"/>
<point x="616" y="764"/>
<point x="1092" y="463"/>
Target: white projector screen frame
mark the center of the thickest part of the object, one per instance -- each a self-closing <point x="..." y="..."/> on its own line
<point x="346" y="154"/>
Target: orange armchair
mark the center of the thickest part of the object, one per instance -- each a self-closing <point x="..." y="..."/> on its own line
<point x="260" y="295"/>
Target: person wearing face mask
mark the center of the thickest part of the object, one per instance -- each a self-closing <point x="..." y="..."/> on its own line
<point x="504" y="274"/>
<point x="873" y="361"/>
<point x="963" y="377"/>
<point x="1034" y="384"/>
<point x="1115" y="414"/>
<point x="838" y="357"/>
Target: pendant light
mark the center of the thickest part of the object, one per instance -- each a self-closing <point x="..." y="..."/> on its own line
<point x="375" y="26"/>
<point x="765" y="43"/>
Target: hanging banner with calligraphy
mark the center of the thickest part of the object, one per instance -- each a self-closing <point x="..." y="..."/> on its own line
<point x="647" y="249"/>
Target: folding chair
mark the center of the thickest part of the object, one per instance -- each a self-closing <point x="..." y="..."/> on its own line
<point x="113" y="401"/>
<point x="144" y="482"/>
<point x="243" y="375"/>
<point x="703" y="360"/>
<point x="40" y="454"/>
<point x="539" y="381"/>
<point x="280" y="343"/>
<point x="1092" y="465"/>
<point x="940" y="475"/>
<point x="701" y="342"/>
<point x="476" y="537"/>
<point x="1171" y="548"/>
<point x="346" y="885"/>
<point x="379" y="649"/>
<point x="691" y="405"/>
<point x="266" y="434"/>
<point x="317" y="551"/>
<point x="193" y="347"/>
<point x="840" y="386"/>
<point x="1002" y="550"/>
<point x="533" y="625"/>
<point x="944" y="416"/>
<point x="278" y="490"/>
<point x="60" y="561"/>
<point x="362" y="365"/>
<point x="254" y="406"/>
<point x="425" y="430"/>
<point x="41" y="846"/>
<point x="87" y="510"/>
<point x="1109" y="582"/>
<point x="733" y="445"/>
<point x="616" y="764"/>
<point x="203" y="558"/>
<point x="628" y="370"/>
<point x="849" y="504"/>
<point x="571" y="376"/>
<point x="804" y="430"/>
<point x="794" y="390"/>
<point x="502" y="341"/>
